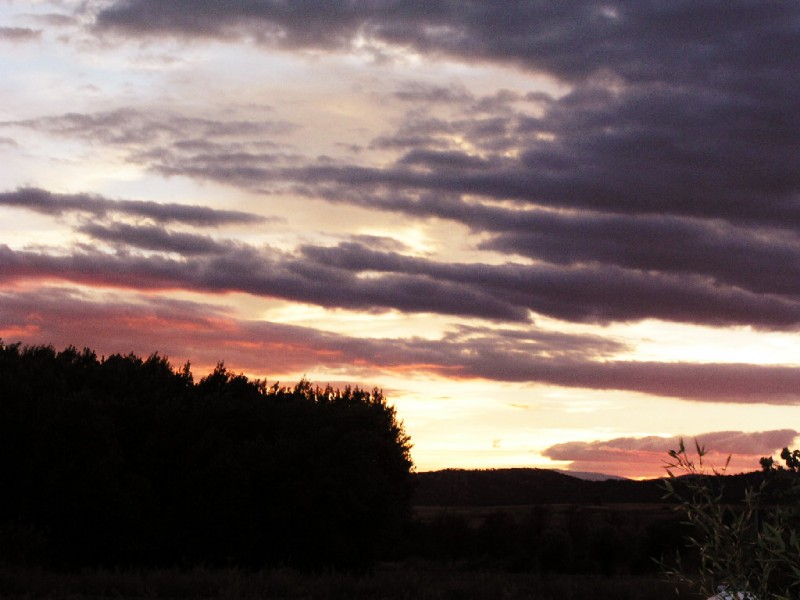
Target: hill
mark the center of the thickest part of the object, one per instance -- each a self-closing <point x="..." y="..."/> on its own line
<point x="504" y="487"/>
<point x="513" y="487"/>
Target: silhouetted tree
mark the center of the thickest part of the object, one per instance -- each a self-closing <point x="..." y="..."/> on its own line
<point x="123" y="460"/>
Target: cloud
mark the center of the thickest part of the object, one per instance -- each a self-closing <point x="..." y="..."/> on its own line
<point x="48" y="203"/>
<point x="747" y="257"/>
<point x="19" y="34"/>
<point x="666" y="112"/>
<point x="756" y="258"/>
<point x="233" y="152"/>
<point x="54" y="19"/>
<point x="325" y="25"/>
<point x="46" y="314"/>
<point x="128" y="126"/>
<point x="368" y="276"/>
<point x="587" y="292"/>
<point x="261" y="272"/>
<point x="205" y="334"/>
<point x="492" y="357"/>
<point x="734" y="442"/>
<point x="554" y="38"/>
<point x="627" y="162"/>
<point x="153" y="238"/>
<point x="661" y="181"/>
<point x="421" y="92"/>
<point x="112" y="323"/>
<point x="646" y="456"/>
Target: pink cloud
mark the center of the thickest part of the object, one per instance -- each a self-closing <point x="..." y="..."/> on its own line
<point x="646" y="457"/>
<point x="205" y="334"/>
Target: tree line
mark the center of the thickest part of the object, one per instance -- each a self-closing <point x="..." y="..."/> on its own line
<point x="128" y="461"/>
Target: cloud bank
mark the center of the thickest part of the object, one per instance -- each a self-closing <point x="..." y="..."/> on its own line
<point x="638" y="456"/>
<point x="113" y="324"/>
<point x="96" y="206"/>
<point x="662" y="183"/>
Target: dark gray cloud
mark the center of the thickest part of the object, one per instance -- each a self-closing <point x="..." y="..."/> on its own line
<point x="682" y="109"/>
<point x="666" y="150"/>
<point x="48" y="203"/>
<point x="315" y="24"/>
<point x="128" y="126"/>
<point x="663" y="184"/>
<point x="759" y="259"/>
<point x="642" y="41"/>
<point x="372" y="274"/>
<point x="623" y="269"/>
<point x="588" y="293"/>
<point x="683" y="152"/>
<point x="153" y="238"/>
<point x="416" y="92"/>
<point x="210" y="333"/>
<point x="262" y="272"/>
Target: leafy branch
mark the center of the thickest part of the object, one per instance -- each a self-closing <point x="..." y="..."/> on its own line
<point x="749" y="548"/>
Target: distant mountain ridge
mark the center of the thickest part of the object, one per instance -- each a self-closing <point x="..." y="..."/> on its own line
<point x="499" y="487"/>
<point x="507" y="487"/>
<point x="589" y="476"/>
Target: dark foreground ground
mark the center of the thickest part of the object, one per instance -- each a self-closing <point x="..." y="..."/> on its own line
<point x="389" y="582"/>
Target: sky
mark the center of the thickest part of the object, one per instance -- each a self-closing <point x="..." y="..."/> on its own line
<point x="556" y="234"/>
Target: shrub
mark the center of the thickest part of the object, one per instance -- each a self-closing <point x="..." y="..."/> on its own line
<point x="748" y="545"/>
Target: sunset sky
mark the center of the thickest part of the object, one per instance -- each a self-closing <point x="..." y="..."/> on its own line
<point x="556" y="234"/>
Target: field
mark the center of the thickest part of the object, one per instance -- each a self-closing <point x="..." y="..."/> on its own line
<point x="474" y="555"/>
<point x="388" y="582"/>
<point x="476" y="515"/>
<point x="441" y="578"/>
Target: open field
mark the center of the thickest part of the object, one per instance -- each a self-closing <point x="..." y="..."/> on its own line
<point x="612" y="540"/>
<point x="476" y="515"/>
<point x="389" y="582"/>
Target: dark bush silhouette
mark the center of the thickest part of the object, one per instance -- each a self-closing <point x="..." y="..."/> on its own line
<point x="746" y="542"/>
<point x="124" y="460"/>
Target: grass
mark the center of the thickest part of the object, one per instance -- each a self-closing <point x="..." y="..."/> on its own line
<point x="390" y="582"/>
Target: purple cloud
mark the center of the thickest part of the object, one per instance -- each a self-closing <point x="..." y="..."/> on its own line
<point x="206" y="334"/>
